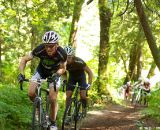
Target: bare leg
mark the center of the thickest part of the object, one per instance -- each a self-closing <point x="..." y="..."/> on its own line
<point x="54" y="106"/>
<point x="83" y="97"/>
<point x="31" y="91"/>
<point x="68" y="96"/>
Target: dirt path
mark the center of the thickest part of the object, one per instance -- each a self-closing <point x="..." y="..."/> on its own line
<point x="113" y="117"/>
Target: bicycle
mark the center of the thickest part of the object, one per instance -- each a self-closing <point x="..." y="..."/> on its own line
<point x="74" y="112"/>
<point x="135" y="93"/>
<point x="41" y="106"/>
<point x="139" y="97"/>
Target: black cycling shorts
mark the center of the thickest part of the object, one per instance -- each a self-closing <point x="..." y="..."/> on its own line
<point x="44" y="73"/>
<point x="81" y="80"/>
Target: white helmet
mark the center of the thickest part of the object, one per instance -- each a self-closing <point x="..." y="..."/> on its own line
<point x="146" y="80"/>
<point x="69" y="50"/>
<point x="129" y="83"/>
<point x="50" y="37"/>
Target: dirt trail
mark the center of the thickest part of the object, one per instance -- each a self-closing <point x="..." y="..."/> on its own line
<point x="113" y="117"/>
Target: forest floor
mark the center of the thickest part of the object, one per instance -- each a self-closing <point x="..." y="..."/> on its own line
<point x="117" y="117"/>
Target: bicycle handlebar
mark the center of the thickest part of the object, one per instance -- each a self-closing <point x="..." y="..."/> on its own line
<point x="39" y="81"/>
<point x="76" y="86"/>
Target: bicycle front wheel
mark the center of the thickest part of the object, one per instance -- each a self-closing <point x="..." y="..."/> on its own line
<point x="133" y="100"/>
<point x="68" y="117"/>
<point x="78" y="115"/>
<point x="37" y="115"/>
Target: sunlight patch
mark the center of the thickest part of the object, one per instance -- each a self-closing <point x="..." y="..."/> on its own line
<point x="116" y="112"/>
<point x="95" y="112"/>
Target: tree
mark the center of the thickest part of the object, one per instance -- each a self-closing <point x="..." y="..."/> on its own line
<point x="135" y="64"/>
<point x="74" y="26"/>
<point x="147" y="31"/>
<point x="105" y="21"/>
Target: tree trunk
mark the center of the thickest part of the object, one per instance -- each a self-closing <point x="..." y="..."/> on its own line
<point x="147" y="31"/>
<point x="105" y="21"/>
<point x="139" y="61"/>
<point x="132" y="63"/>
<point x="135" y="59"/>
<point x="75" y="20"/>
<point x="33" y="45"/>
<point x="151" y="70"/>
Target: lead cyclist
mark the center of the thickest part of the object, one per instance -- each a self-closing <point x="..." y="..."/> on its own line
<point x="52" y="64"/>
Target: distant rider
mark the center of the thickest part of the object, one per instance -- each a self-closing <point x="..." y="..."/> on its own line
<point x="127" y="89"/>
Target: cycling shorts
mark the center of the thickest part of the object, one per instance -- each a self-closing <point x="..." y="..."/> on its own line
<point x="38" y="76"/>
<point x="81" y="80"/>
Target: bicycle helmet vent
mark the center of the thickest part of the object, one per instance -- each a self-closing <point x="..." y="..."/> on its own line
<point x="50" y="37"/>
<point x="69" y="50"/>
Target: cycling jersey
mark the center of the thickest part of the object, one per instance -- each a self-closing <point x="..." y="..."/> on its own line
<point x="76" y="68"/>
<point x="48" y="64"/>
<point x="146" y="88"/>
<point x="76" y="74"/>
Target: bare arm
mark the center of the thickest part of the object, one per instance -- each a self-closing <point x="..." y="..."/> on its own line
<point x="62" y="68"/>
<point x="23" y="63"/>
<point x="90" y="74"/>
<point x="64" y="76"/>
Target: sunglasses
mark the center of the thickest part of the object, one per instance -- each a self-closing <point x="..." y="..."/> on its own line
<point x="49" y="45"/>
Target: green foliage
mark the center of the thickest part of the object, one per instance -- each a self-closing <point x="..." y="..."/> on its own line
<point x="154" y="106"/>
<point x="15" y="110"/>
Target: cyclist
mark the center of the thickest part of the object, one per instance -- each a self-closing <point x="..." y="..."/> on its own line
<point x="127" y="89"/>
<point x="76" y="68"/>
<point x="52" y="63"/>
<point x="146" y="85"/>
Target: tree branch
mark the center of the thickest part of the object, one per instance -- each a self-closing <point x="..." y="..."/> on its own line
<point x="89" y="1"/>
<point x="150" y="9"/>
<point x="125" y="9"/>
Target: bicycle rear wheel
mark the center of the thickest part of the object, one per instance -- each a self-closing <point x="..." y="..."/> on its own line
<point x="68" y="117"/>
<point x="37" y="115"/>
<point x="144" y="99"/>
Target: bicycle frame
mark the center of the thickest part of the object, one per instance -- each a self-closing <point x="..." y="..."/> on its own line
<point x="140" y="97"/>
<point x="73" y="108"/>
<point x="43" y="109"/>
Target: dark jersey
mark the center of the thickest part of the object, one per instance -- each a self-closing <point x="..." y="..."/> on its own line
<point x="49" y="62"/>
<point x="76" y="68"/>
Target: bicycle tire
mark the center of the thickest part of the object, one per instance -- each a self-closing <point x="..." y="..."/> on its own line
<point x="144" y="98"/>
<point x="78" y="115"/>
<point x="46" y="114"/>
<point x="68" y="115"/>
<point x="137" y="100"/>
<point x="48" y="120"/>
<point x="133" y="98"/>
<point x="37" y="118"/>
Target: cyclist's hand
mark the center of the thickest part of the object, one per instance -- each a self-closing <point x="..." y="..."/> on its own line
<point x="64" y="82"/>
<point x="88" y="87"/>
<point x="55" y="77"/>
<point x="21" y="78"/>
